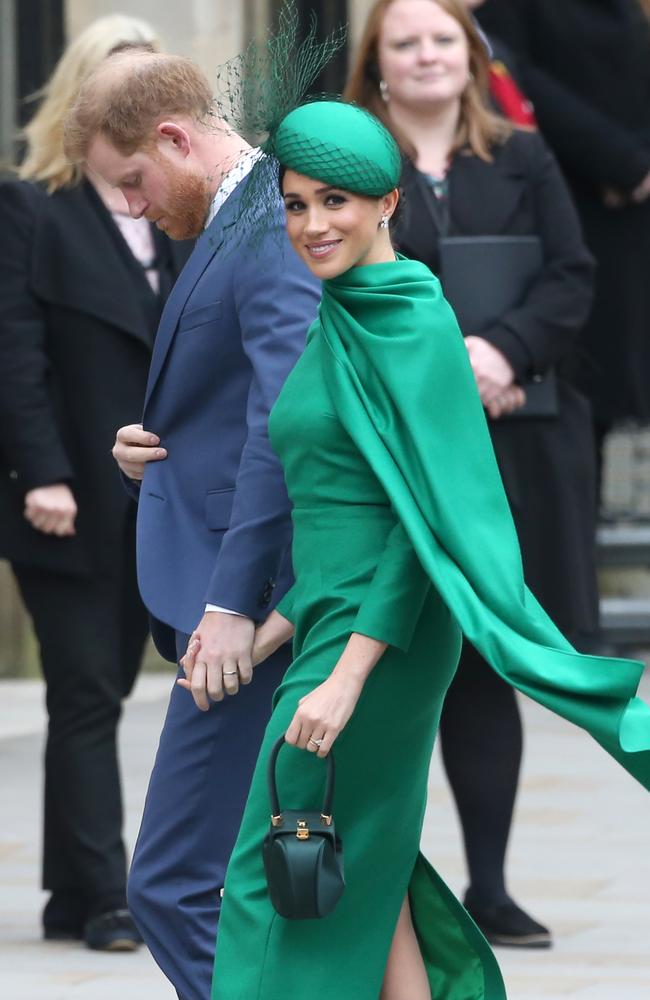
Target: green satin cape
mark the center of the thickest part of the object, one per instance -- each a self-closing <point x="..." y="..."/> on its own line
<point x="400" y="379"/>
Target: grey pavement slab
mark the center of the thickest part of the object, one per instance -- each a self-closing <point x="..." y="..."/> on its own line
<point x="579" y="860"/>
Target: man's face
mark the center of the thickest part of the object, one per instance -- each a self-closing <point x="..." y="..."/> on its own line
<point x="165" y="189"/>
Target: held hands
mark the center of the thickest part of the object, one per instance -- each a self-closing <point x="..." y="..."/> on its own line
<point x="320" y="716"/>
<point x="494" y="378"/>
<point x="218" y="658"/>
<point x="134" y="447"/>
<point x="203" y="684"/>
<point x="51" y="509"/>
<point x="216" y="649"/>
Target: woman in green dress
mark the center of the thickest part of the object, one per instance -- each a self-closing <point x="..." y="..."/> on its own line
<point x="403" y="541"/>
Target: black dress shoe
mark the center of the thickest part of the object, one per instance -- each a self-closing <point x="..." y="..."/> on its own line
<point x="65" y="915"/>
<point x="112" y="931"/>
<point x="507" y="924"/>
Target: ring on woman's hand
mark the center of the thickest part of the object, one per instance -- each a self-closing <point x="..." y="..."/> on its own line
<point x="229" y="673"/>
<point x="316" y="743"/>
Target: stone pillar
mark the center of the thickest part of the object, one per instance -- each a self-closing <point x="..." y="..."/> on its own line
<point x="358" y="11"/>
<point x="208" y="31"/>
<point x="8" y="74"/>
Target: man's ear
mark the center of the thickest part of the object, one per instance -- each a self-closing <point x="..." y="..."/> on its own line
<point x="174" y="137"/>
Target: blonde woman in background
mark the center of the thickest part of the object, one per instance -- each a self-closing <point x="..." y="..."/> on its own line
<point x="81" y="289"/>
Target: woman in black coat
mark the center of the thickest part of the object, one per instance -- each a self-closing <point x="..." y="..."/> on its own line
<point x="79" y="307"/>
<point x="586" y="66"/>
<point x="423" y="68"/>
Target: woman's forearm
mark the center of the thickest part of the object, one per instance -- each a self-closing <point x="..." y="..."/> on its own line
<point x="272" y="634"/>
<point x="359" y="658"/>
<point x="325" y="711"/>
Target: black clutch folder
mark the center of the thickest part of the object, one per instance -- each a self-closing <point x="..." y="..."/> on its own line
<point x="484" y="277"/>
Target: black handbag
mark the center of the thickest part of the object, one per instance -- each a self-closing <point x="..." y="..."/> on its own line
<point x="303" y="857"/>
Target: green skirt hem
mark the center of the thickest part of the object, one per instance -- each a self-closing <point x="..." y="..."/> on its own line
<point x="459" y="961"/>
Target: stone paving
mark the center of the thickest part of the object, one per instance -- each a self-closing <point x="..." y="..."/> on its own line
<point x="579" y="860"/>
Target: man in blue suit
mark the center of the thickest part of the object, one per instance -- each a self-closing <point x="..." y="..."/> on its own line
<point x="213" y="514"/>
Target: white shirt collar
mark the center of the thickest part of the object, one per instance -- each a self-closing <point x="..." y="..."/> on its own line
<point x="230" y="181"/>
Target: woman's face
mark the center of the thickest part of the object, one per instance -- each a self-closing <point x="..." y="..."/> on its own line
<point x="333" y="230"/>
<point x="423" y="54"/>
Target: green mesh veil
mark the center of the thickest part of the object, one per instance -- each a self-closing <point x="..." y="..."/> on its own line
<point x="257" y="89"/>
<point x="254" y="92"/>
<point x="264" y="96"/>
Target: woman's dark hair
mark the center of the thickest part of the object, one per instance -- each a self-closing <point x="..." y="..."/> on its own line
<point x="394" y="219"/>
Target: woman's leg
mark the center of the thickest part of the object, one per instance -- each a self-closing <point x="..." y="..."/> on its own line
<point x="481" y="738"/>
<point x="405" y="977"/>
<point x="481" y="741"/>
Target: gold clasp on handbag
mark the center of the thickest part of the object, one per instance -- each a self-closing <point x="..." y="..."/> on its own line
<point x="302" y="832"/>
<point x="327" y="820"/>
<point x="277" y="820"/>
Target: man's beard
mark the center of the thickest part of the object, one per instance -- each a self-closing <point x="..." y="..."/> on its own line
<point x="187" y="203"/>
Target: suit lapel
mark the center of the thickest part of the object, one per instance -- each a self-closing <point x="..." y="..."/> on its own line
<point x="205" y="249"/>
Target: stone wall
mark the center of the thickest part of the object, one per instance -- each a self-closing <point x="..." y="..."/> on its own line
<point x="209" y="31"/>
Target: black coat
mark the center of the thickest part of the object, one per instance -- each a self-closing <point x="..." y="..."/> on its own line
<point x="547" y="465"/>
<point x="77" y="323"/>
<point x="586" y="66"/>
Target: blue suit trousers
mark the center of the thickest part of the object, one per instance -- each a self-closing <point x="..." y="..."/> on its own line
<point x="193" y="810"/>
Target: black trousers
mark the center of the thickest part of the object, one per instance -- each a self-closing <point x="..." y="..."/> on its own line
<point x="91" y="633"/>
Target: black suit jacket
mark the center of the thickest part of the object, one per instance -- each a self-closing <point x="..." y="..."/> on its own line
<point x="585" y="64"/>
<point x="77" y="324"/>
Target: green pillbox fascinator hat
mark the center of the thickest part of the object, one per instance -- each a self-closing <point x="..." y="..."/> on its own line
<point x="340" y="144"/>
<point x="262" y="94"/>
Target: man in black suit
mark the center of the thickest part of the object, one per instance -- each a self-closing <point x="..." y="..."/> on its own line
<point x="78" y="314"/>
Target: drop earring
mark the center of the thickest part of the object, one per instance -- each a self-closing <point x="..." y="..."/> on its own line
<point x="383" y="90"/>
<point x="384" y="222"/>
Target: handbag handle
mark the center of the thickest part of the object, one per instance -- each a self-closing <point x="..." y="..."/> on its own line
<point x="276" y="812"/>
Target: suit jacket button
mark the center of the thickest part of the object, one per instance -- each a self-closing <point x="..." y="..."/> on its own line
<point x="13" y="474"/>
<point x="267" y="593"/>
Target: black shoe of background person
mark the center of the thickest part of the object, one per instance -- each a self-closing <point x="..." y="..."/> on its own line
<point x="65" y="915"/>
<point x="506" y="924"/>
<point x="113" y="930"/>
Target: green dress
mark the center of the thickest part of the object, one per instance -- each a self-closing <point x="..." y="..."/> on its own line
<point x="401" y="532"/>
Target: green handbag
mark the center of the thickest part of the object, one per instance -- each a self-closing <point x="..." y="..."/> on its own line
<point x="303" y="857"/>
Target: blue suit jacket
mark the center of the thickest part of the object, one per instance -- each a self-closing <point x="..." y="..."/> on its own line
<point x="214" y="517"/>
